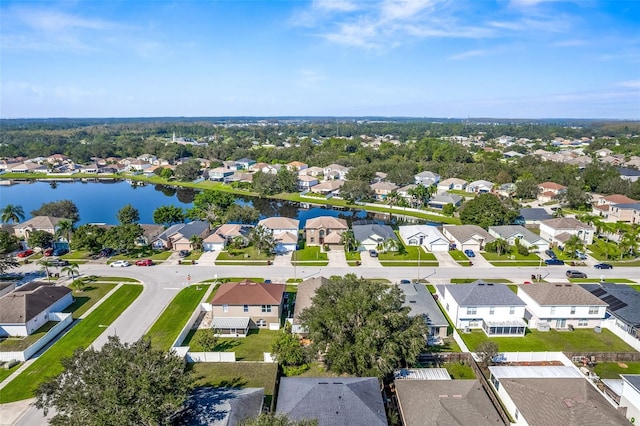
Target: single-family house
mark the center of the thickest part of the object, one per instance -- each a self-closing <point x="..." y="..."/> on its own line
<point x="629" y="213"/>
<point x="451" y="183"/>
<point x="405" y="192"/>
<point x="37" y="223"/>
<point x="328" y="187"/>
<point x="615" y="199"/>
<point x="552" y="395"/>
<point x="383" y="189"/>
<point x="372" y="236"/>
<point x="506" y="190"/>
<point x="379" y="177"/>
<point x="441" y="200"/>
<point x="342" y="401"/>
<point x="219" y="406"/>
<point x="27" y="308"/>
<point x="89" y="168"/>
<point x="630" y="175"/>
<point x="285" y="232"/>
<point x="225" y="234"/>
<point x="492" y="307"/>
<point x="304" y="299"/>
<point x="561" y="306"/>
<point x="558" y="231"/>
<point x="441" y="401"/>
<point x="630" y="397"/>
<point x="29" y="167"/>
<point x="137" y="166"/>
<point x="426" y="236"/>
<point x="533" y="216"/>
<point x="244" y="163"/>
<point x="426" y="178"/>
<point x="421" y="303"/>
<point x="306" y="182"/>
<point x="548" y="191"/>
<point x="312" y="171"/>
<point x="335" y="171"/>
<point x="624" y="305"/>
<point x="178" y="237"/>
<point x="513" y="233"/>
<point x="480" y="186"/>
<point x="246" y="303"/>
<point x="150" y="232"/>
<point x="297" y="166"/>
<point x="220" y="174"/>
<point x="325" y="230"/>
<point x="467" y="237"/>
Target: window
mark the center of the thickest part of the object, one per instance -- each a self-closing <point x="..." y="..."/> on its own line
<point x="573" y="310"/>
<point x="225" y="308"/>
<point x="471" y="310"/>
<point x="512" y="310"/>
<point x="583" y="322"/>
<point x="266" y="308"/>
<point x="245" y="308"/>
<point x="312" y="240"/>
<point x="492" y="310"/>
<point x="593" y="310"/>
<point x="261" y="323"/>
<point x="553" y="310"/>
<point x="516" y="414"/>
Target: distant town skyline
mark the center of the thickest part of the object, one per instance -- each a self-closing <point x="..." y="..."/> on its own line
<point x="411" y="58"/>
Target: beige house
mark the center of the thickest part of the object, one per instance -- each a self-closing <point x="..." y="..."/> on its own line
<point x="259" y="303"/>
<point x="325" y="230"/>
<point x="547" y="191"/>
<point x="558" y="231"/>
<point x="624" y="213"/>
<point x="37" y="223"/>
<point x="383" y="189"/>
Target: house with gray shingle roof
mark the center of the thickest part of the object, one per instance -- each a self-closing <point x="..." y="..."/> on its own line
<point x="624" y="304"/>
<point x="220" y="406"/>
<point x="422" y="303"/>
<point x="333" y="401"/>
<point x="561" y="305"/>
<point x="511" y="233"/>
<point x="467" y="237"/>
<point x="426" y="178"/>
<point x="441" y="200"/>
<point x="372" y="235"/>
<point x="492" y="307"/>
<point x="630" y="397"/>
<point x="533" y="216"/>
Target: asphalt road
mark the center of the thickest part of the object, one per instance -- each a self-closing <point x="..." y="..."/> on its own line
<point x="162" y="282"/>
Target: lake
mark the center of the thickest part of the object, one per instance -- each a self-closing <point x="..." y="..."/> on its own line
<point x="98" y="202"/>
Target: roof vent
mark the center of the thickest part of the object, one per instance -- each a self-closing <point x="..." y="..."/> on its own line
<point x="480" y="283"/>
<point x="489" y="283"/>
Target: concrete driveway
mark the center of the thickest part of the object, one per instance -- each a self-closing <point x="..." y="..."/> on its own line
<point x="337" y="259"/>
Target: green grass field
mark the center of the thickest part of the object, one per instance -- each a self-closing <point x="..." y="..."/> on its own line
<point x="579" y="340"/>
<point x="612" y="370"/>
<point x="249" y="253"/>
<point x="459" y="371"/>
<point x="167" y="328"/>
<point x="309" y="253"/>
<point x="80" y="336"/>
<point x="248" y="348"/>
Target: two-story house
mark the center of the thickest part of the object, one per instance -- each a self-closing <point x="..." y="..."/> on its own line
<point x="558" y="231"/>
<point x="243" y="303"/>
<point x="325" y="230"/>
<point x="491" y="307"/>
<point x="561" y="306"/>
<point x="426" y="178"/>
<point x="285" y="232"/>
<point x="335" y="171"/>
<point x="547" y="191"/>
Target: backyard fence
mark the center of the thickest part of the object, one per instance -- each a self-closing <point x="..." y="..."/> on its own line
<point x="64" y="319"/>
<point x="211" y="357"/>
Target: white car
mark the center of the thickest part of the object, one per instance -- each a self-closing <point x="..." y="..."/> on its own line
<point x="119" y="264"/>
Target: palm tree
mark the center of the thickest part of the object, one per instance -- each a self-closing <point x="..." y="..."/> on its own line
<point x="196" y="242"/>
<point x="78" y="285"/>
<point x="573" y="244"/>
<point x="71" y="269"/>
<point x="391" y="245"/>
<point x="46" y="264"/>
<point x="64" y="230"/>
<point x="348" y="239"/>
<point x="12" y="214"/>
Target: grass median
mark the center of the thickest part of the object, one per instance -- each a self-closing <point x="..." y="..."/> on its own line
<point x="79" y="337"/>
<point x="167" y="328"/>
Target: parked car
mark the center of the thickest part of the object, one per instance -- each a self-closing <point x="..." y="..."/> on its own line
<point x="59" y="262"/>
<point x="60" y="251"/>
<point x="550" y="253"/>
<point x="405" y="281"/>
<point x="575" y="274"/>
<point x="47" y="252"/>
<point x="469" y="253"/>
<point x="603" y="266"/>
<point x="144" y="262"/>
<point x="184" y="253"/>
<point x="554" y="261"/>
<point x="580" y="255"/>
<point x="106" y="252"/>
<point x="25" y="253"/>
<point x="373" y="253"/>
<point x="119" y="264"/>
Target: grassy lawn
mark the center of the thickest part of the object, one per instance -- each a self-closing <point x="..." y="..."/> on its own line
<point x="80" y="336"/>
<point x="458" y="370"/>
<point x="237" y="374"/>
<point x="294" y="280"/>
<point x="310" y="254"/>
<point x="352" y="257"/>
<point x="431" y="289"/>
<point x="611" y="370"/>
<point x="626" y="263"/>
<point x="291" y="288"/>
<point x="161" y="255"/>
<point x="87" y="298"/>
<point x="17" y="344"/>
<point x="449" y="345"/>
<point x="579" y="340"/>
<point x="167" y="328"/>
<point x="510" y="256"/>
<point x="460" y="257"/>
<point x="411" y="253"/>
<point x="249" y="253"/>
<point x="4" y="373"/>
<point x="77" y="255"/>
<point x="470" y="280"/>
<point x="513" y="288"/>
<point x="249" y="348"/>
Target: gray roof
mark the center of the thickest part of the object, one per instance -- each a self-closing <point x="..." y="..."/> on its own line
<point x="445" y="402"/>
<point x="535" y="214"/>
<point x="463" y="233"/>
<point x="624" y="301"/>
<point x="422" y="302"/>
<point x="633" y="380"/>
<point x="196" y="227"/>
<point x="508" y="231"/>
<point x="306" y="291"/>
<point x="28" y="301"/>
<point x="362" y="232"/>
<point x="334" y="401"/>
<point x="225" y="323"/>
<point x="209" y="406"/>
<point x="164" y="236"/>
<point x="446" y="198"/>
<point x="481" y="293"/>
<point x="628" y="206"/>
<point x="561" y="401"/>
<point x="546" y="294"/>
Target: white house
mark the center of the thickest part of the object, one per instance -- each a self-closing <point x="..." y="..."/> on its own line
<point x="372" y="235"/>
<point x="467" y="237"/>
<point x="560" y="306"/>
<point x="426" y="236"/>
<point x="335" y="171"/>
<point x="224" y="234"/>
<point x="480" y="186"/>
<point x="426" y="178"/>
<point x="306" y="182"/>
<point x="558" y="231"/>
<point x="451" y="183"/>
<point x="285" y="232"/>
<point x="492" y="307"/>
<point x="511" y="233"/>
<point x="630" y="398"/>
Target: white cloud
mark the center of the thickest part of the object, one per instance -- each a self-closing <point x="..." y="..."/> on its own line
<point x="335" y="5"/>
<point x="635" y="84"/>
<point x="569" y="43"/>
<point x="528" y="3"/>
<point x="467" y="54"/>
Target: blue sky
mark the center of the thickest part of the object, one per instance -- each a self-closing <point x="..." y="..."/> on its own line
<point x="419" y="58"/>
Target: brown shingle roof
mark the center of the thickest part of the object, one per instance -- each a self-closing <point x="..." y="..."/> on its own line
<point x="619" y="199"/>
<point x="551" y="185"/>
<point x="306" y="291"/>
<point x="565" y="223"/>
<point x="279" y="223"/>
<point x="20" y="306"/>
<point x="248" y="293"/>
<point x="329" y="222"/>
<point x="560" y="295"/>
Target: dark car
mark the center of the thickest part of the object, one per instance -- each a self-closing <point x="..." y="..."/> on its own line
<point x="106" y="252"/>
<point x="25" y="253"/>
<point x="405" y="282"/>
<point x="554" y="261"/>
<point x="550" y="253"/>
<point x="373" y="253"/>
<point x="184" y="253"/>
<point x="603" y="266"/>
<point x="469" y="253"/>
<point x="60" y="251"/>
<point x="575" y="274"/>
